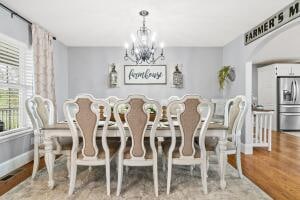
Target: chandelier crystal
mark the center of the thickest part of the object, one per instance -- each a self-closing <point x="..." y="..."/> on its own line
<point x="143" y="46"/>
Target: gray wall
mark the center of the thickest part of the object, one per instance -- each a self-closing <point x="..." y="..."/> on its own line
<point x="14" y="27"/>
<point x="88" y="72"/>
<point x="254" y="82"/>
<point x="60" y="59"/>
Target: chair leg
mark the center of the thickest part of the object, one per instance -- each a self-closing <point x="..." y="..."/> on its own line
<point x="207" y="163"/>
<point x="127" y="169"/>
<point x="155" y="178"/>
<point x="192" y="170"/>
<point x="36" y="161"/>
<point x="204" y="176"/>
<point x="120" y="176"/>
<point x="107" y="167"/>
<point x="72" y="178"/>
<point x="169" y="175"/>
<point x="69" y="165"/>
<point x="239" y="164"/>
<point x="90" y="168"/>
<point x="164" y="163"/>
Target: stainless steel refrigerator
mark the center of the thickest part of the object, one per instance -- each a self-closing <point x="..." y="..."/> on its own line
<point x="289" y="103"/>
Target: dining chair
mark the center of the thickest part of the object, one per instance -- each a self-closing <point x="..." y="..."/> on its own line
<point x="192" y="125"/>
<point x="174" y="107"/>
<point x="41" y="114"/>
<point x="234" y="118"/>
<point x="136" y="151"/>
<point x="83" y="122"/>
<point x="112" y="100"/>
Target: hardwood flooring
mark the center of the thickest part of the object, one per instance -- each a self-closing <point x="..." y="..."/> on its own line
<point x="14" y="178"/>
<point x="276" y="172"/>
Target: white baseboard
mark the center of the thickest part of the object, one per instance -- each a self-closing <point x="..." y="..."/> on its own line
<point x="246" y="148"/>
<point x="16" y="162"/>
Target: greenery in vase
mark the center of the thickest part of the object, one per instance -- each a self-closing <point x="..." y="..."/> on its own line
<point x="151" y="109"/>
<point x="223" y="76"/>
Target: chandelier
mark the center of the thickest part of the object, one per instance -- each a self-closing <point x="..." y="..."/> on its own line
<point x="143" y="46"/>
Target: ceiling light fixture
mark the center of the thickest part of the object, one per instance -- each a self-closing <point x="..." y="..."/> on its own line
<point x="143" y="46"/>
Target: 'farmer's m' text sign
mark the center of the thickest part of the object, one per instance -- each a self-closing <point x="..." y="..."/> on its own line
<point x="145" y="74"/>
<point x="282" y="17"/>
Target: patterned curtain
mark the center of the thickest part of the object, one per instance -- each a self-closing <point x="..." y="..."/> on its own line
<point x="42" y="43"/>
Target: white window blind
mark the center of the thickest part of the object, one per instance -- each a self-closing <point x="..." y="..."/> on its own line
<point x="16" y="83"/>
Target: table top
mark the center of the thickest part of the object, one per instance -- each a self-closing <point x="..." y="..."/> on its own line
<point x="162" y="126"/>
<point x="261" y="110"/>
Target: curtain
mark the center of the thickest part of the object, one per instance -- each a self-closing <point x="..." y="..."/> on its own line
<point x="42" y="44"/>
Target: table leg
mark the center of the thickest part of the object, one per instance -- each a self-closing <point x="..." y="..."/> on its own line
<point x="222" y="162"/>
<point x="49" y="160"/>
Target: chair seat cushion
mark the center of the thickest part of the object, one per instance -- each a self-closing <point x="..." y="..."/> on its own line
<point x="148" y="155"/>
<point x="64" y="147"/>
<point x="113" y="147"/>
<point x="211" y="144"/>
<point x="176" y="154"/>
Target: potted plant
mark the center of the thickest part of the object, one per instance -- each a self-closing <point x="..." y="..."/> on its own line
<point x="225" y="73"/>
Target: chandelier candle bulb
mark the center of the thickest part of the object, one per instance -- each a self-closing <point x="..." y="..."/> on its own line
<point x="126" y="45"/>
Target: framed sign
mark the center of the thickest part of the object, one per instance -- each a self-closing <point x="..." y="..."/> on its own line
<point x="145" y="74"/>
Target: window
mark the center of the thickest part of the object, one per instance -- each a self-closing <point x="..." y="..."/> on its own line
<point x="16" y="84"/>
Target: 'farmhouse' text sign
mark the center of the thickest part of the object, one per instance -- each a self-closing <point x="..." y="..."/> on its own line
<point x="282" y="17"/>
<point x="145" y="74"/>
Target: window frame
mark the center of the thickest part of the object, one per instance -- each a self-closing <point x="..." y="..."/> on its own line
<point x="24" y="52"/>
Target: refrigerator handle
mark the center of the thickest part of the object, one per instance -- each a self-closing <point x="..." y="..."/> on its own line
<point x="293" y="89"/>
<point x="296" y="90"/>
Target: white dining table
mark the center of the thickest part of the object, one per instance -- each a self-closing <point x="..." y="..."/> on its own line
<point x="62" y="130"/>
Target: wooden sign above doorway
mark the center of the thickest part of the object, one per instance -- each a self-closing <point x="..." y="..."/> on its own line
<point x="281" y="18"/>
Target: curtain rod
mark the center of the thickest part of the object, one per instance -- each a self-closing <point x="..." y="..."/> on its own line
<point x="13" y="13"/>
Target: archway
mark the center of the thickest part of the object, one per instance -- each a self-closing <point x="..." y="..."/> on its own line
<point x="281" y="46"/>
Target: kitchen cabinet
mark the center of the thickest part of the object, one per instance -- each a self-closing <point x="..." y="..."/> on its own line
<point x="287" y="69"/>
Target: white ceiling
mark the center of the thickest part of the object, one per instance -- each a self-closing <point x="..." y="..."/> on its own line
<point x="177" y="22"/>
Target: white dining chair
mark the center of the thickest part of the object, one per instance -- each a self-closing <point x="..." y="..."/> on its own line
<point x="136" y="151"/>
<point x="112" y="100"/>
<point x="235" y="111"/>
<point x="41" y="114"/>
<point x="85" y="123"/>
<point x="174" y="107"/>
<point x="192" y="125"/>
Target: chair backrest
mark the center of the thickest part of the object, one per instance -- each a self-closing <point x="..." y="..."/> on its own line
<point x="235" y="111"/>
<point x="190" y="118"/>
<point x="83" y="121"/>
<point x="175" y="107"/>
<point x="112" y="100"/>
<point x="137" y="118"/>
<point x="40" y="111"/>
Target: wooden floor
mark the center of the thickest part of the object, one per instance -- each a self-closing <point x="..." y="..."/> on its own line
<point x="17" y="176"/>
<point x="276" y="172"/>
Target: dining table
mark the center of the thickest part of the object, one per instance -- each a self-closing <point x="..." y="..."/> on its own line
<point x="216" y="130"/>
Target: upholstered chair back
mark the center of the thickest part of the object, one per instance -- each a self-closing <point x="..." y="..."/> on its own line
<point x="192" y="122"/>
<point x="83" y="121"/>
<point x="40" y="111"/>
<point x="137" y="117"/>
<point x="235" y="111"/>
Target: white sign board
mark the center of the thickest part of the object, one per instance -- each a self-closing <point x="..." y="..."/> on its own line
<point x="282" y="17"/>
<point x="145" y="74"/>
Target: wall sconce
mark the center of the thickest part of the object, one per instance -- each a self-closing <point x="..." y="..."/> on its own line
<point x="177" y="78"/>
<point x="113" y="76"/>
